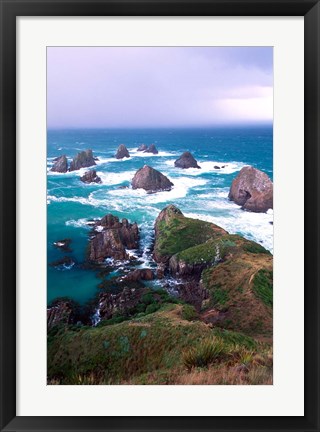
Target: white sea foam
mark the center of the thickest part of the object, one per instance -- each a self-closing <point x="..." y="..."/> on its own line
<point x="208" y="167"/>
<point x="134" y="153"/>
<point x="253" y="226"/>
<point x="113" y="178"/>
<point x="79" y="223"/>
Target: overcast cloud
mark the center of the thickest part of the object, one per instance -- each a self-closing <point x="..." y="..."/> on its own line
<point x="146" y="87"/>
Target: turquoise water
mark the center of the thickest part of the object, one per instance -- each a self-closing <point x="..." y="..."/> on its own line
<point x="198" y="193"/>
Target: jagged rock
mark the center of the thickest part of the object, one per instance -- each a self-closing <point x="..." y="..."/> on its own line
<point x="90" y="177"/>
<point x="139" y="274"/>
<point x="63" y="263"/>
<point x="120" y="303"/>
<point x="111" y="239"/>
<point x="216" y="167"/>
<point x="83" y="159"/>
<point x="193" y="292"/>
<point x="151" y="149"/>
<point x="59" y="313"/>
<point x="60" y="164"/>
<point x="122" y="152"/>
<point x="252" y="189"/>
<point x="151" y="180"/>
<point x="186" y="160"/>
<point x="142" y="147"/>
<point x="160" y="271"/>
<point x="63" y="245"/>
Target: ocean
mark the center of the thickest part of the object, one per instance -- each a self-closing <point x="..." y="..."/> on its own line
<point x="199" y="193"/>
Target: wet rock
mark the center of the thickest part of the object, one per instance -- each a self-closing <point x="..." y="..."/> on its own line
<point x="63" y="244"/>
<point x="111" y="238"/>
<point x="160" y="271"/>
<point x="65" y="263"/>
<point x="253" y="190"/>
<point x="151" y="180"/>
<point x="151" y="149"/>
<point x="122" y="152"/>
<point x="60" y="164"/>
<point x="186" y="160"/>
<point x="193" y="292"/>
<point x="139" y="274"/>
<point x="142" y="147"/>
<point x="120" y="303"/>
<point x="216" y="167"/>
<point x="83" y="159"/>
<point x="91" y="177"/>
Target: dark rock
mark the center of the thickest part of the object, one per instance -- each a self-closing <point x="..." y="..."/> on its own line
<point x="64" y="263"/>
<point x="122" y="152"/>
<point x="60" y="164"/>
<point x="91" y="177"/>
<point x="112" y="238"/>
<point x="120" y="303"/>
<point x="193" y="292"/>
<point x="83" y="159"/>
<point x="60" y="313"/>
<point x="151" y="149"/>
<point x="123" y="187"/>
<point x="253" y="190"/>
<point x="216" y="167"/>
<point x="160" y="271"/>
<point x="139" y="274"/>
<point x="63" y="245"/>
<point x="151" y="180"/>
<point x="96" y="159"/>
<point x="142" y="147"/>
<point x="186" y="160"/>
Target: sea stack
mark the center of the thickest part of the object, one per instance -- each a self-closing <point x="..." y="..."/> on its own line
<point x="60" y="164"/>
<point x="90" y="177"/>
<point x="151" y="180"/>
<point x="83" y="159"/>
<point x="253" y="190"/>
<point x="142" y="147"/>
<point x="151" y="149"/>
<point x="122" y="152"/>
<point x="186" y="160"/>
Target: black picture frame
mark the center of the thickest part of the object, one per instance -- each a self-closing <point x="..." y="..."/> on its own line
<point x="10" y="9"/>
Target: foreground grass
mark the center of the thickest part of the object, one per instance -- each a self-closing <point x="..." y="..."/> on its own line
<point x="161" y="348"/>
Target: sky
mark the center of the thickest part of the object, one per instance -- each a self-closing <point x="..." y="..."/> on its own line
<point x="116" y="87"/>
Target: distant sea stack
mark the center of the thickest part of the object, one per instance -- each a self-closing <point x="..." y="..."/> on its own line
<point x="83" y="159"/>
<point x="186" y="160"/>
<point x="122" y="152"/>
<point x="151" y="149"/>
<point x="90" y="177"/>
<point x="253" y="190"/>
<point x="151" y="180"/>
<point x="60" y="164"/>
<point x="142" y="147"/>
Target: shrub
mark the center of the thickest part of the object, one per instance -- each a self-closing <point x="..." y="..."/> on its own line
<point x="263" y="286"/>
<point x="207" y="352"/>
<point x="189" y="313"/>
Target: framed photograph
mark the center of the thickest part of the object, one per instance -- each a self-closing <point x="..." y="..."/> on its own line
<point x="159" y="203"/>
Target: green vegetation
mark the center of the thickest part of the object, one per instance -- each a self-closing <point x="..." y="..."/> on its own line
<point x="189" y="313"/>
<point x="255" y="248"/>
<point x="220" y="296"/>
<point x="263" y="286"/>
<point x="204" y="353"/>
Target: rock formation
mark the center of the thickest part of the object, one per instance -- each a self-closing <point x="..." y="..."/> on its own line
<point x="186" y="160"/>
<point x="253" y="190"/>
<point x="59" y="313"/>
<point x="83" y="159"/>
<point x="111" y="238"/>
<point x="151" y="180"/>
<point x="139" y="274"/>
<point x="142" y="147"/>
<point x="60" y="164"/>
<point x="90" y="177"/>
<point x="151" y="149"/>
<point x="122" y="152"/>
<point x="63" y="245"/>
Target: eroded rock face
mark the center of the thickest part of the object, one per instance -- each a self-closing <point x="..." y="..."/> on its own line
<point x="194" y="293"/>
<point x="253" y="190"/>
<point x="186" y="160"/>
<point x="59" y="313"/>
<point x="151" y="180"/>
<point x="111" y="239"/>
<point x="60" y="164"/>
<point x="139" y="274"/>
<point x="83" y="159"/>
<point x="122" y="152"/>
<point x="151" y="149"/>
<point x="142" y="147"/>
<point x="120" y="303"/>
<point x="90" y="177"/>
